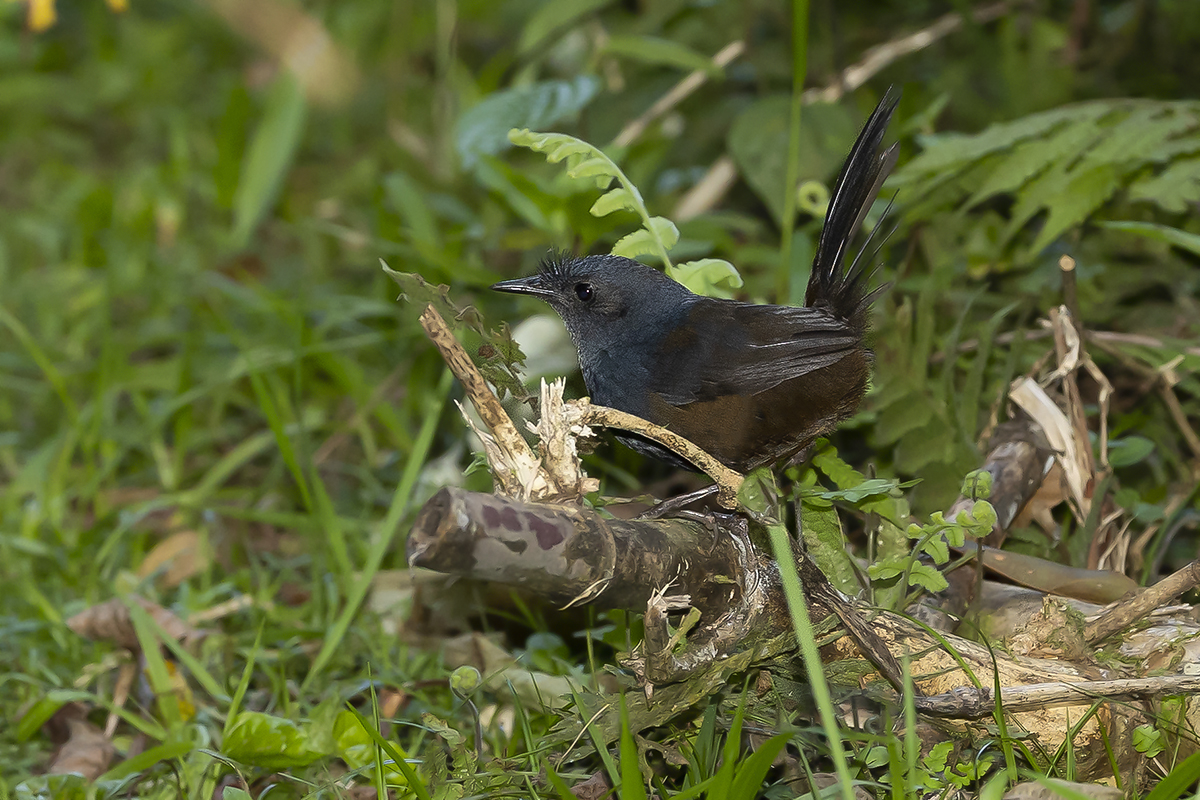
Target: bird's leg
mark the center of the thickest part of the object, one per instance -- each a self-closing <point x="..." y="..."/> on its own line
<point x="672" y="505"/>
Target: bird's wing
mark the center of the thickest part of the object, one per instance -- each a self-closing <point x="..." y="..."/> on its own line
<point x="729" y="348"/>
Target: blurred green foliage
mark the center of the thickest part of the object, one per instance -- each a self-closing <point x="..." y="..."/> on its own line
<point x="195" y="334"/>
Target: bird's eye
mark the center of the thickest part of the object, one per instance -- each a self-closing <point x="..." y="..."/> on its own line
<point x="584" y="292"/>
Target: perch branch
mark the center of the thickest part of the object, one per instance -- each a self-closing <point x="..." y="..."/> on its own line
<point x="728" y="482"/>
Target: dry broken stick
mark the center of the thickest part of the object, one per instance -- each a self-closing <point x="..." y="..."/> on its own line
<point x="1124" y="614"/>
<point x="573" y="554"/>
<point x="557" y="474"/>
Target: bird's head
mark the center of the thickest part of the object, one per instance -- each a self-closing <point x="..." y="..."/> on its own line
<point x="603" y="300"/>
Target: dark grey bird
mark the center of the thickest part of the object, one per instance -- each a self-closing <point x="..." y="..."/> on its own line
<point x="750" y="384"/>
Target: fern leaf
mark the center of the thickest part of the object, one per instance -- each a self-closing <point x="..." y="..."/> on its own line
<point x="619" y="199"/>
<point x="599" y="167"/>
<point x="659" y="233"/>
<point x="1173" y="188"/>
<point x="1159" y="233"/>
<point x="1033" y="157"/>
<point x="715" y="277"/>
<point x="555" y="146"/>
<point x="1068" y="162"/>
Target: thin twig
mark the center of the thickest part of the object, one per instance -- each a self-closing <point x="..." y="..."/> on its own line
<point x="676" y="95"/>
<point x="877" y="58"/>
<point x="1066" y="266"/>
<point x="504" y="432"/>
<point x="728" y="482"/>
<point x="1130" y="611"/>
<point x="969" y="703"/>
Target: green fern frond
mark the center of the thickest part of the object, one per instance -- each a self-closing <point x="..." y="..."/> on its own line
<point x="657" y="235"/>
<point x="1066" y="163"/>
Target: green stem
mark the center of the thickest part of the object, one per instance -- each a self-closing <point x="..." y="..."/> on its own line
<point x="643" y="212"/>
<point x="783" y="284"/>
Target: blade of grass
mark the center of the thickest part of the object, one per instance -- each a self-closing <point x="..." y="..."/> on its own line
<point x="193" y="665"/>
<point x="148" y="758"/>
<point x="1178" y="780"/>
<point x="751" y="773"/>
<point x="156" y="668"/>
<point x="391" y="523"/>
<point x="632" y="785"/>
<point x="235" y="704"/>
<point x="801" y="623"/>
<point x="398" y="758"/>
<point x="42" y="361"/>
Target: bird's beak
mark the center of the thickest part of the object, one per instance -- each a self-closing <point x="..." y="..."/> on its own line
<point x="534" y="285"/>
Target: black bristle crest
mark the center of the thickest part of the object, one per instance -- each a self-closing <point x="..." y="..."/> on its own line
<point x="555" y="263"/>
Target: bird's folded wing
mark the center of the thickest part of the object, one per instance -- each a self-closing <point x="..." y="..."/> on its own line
<point x="730" y="348"/>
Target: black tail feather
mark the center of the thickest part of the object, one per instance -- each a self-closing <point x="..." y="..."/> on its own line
<point x="866" y="168"/>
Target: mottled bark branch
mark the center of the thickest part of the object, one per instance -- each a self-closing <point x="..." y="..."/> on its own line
<point x="572" y="554"/>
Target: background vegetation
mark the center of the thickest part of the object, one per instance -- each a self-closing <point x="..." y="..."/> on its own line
<point x="210" y="399"/>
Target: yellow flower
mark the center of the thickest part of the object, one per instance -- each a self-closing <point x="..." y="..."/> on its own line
<point x="41" y="15"/>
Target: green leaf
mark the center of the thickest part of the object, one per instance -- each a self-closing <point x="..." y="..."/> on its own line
<point x="945" y="154"/>
<point x="594" y="167"/>
<point x="653" y="50"/>
<point x="1129" y="450"/>
<point x="552" y="19"/>
<point x="1070" y="203"/>
<point x="977" y="485"/>
<point x="927" y="577"/>
<point x="937" y="549"/>
<point x="1159" y="233"/>
<point x="1178" y="780"/>
<point x="1173" y="189"/>
<point x="1148" y="740"/>
<point x="269" y="156"/>
<point x="411" y="202"/>
<point x="707" y="276"/>
<point x="757" y="490"/>
<point x="826" y="544"/>
<point x="63" y="786"/>
<point x="1032" y="157"/>
<point x="758" y="143"/>
<point x="661" y="234"/>
<point x="555" y="146"/>
<point x="633" y="786"/>
<point x="753" y="770"/>
<point x="269" y="742"/>
<point x="618" y="199"/>
<point x="420" y="293"/>
<point x="484" y="128"/>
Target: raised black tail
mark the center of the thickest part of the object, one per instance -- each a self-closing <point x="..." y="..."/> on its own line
<point x="831" y="286"/>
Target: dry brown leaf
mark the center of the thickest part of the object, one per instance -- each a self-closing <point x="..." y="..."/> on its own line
<point x="1034" y="401"/>
<point x="594" y="788"/>
<point x="110" y="621"/>
<point x="87" y="751"/>
<point x="177" y="557"/>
